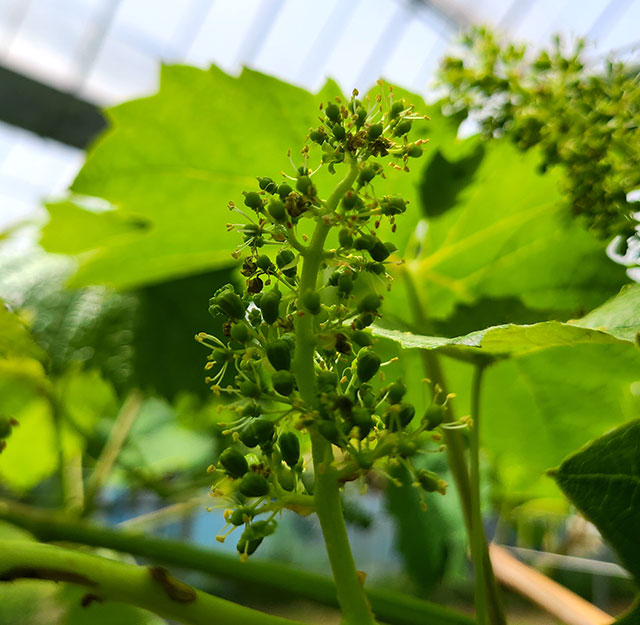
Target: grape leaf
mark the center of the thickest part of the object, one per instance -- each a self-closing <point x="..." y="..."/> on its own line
<point x="170" y="163"/>
<point x="509" y="235"/>
<point x="554" y="388"/>
<point x="603" y="482"/>
<point x="617" y="321"/>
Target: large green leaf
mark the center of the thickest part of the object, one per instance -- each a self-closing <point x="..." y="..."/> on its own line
<point x="617" y="321"/>
<point x="603" y="481"/>
<point x="507" y="235"/>
<point x="554" y="387"/>
<point x="620" y="316"/>
<point x="169" y="164"/>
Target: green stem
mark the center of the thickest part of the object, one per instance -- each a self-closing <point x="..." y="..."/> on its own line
<point x="150" y="588"/>
<point x="110" y="451"/>
<point x="391" y="607"/>
<point x="351" y="597"/>
<point x="478" y="539"/>
<point x="455" y="443"/>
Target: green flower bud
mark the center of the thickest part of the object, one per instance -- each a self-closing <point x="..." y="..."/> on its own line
<point x="229" y="303"/>
<point x="286" y="478"/>
<point x="270" y="305"/>
<point x="365" y="242"/>
<point x="248" y="388"/>
<point x="345" y="284"/>
<point x="339" y="132"/>
<point x="361" y="116"/>
<point x="248" y="546"/>
<point x="264" y="262"/>
<point x="283" y="382"/>
<point x="267" y="184"/>
<point x="366" y="175"/>
<point x="345" y="239"/>
<point x="240" y="332"/>
<point x="415" y="151"/>
<point x="377" y="268"/>
<point x="233" y="462"/>
<point x="254" y="485"/>
<point x="397" y="108"/>
<point x="363" y="320"/>
<point x="304" y="185"/>
<point x="393" y="205"/>
<point x="258" y="432"/>
<point x="289" y="448"/>
<point x="431" y="481"/>
<point x="434" y="416"/>
<point x="369" y="303"/>
<point x="396" y="392"/>
<point x="251" y="409"/>
<point x="284" y="257"/>
<point x="253" y="200"/>
<point x="367" y="366"/>
<point x="363" y="420"/>
<point x="333" y="112"/>
<point x="283" y="191"/>
<point x="361" y="338"/>
<point x="407" y="448"/>
<point x="379" y="251"/>
<point x="311" y="302"/>
<point x="402" y="128"/>
<point x="277" y="210"/>
<point x="317" y="137"/>
<point x="350" y="200"/>
<point x="279" y="354"/>
<point x="375" y="130"/>
<point x="399" y="416"/>
<point x="237" y="517"/>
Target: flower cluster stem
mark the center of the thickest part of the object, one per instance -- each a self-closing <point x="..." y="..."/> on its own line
<point x="353" y="601"/>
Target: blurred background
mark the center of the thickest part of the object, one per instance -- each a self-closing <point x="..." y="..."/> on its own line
<point x="61" y="63"/>
<point x="97" y="53"/>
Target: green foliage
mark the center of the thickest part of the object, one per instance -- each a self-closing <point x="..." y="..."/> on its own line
<point x="547" y="378"/>
<point x="506" y="236"/>
<point x="15" y="339"/>
<point x="164" y="170"/>
<point x="602" y="481"/>
<point x="493" y="262"/>
<point x="421" y="535"/>
<point x="582" y="118"/>
<point x="137" y="339"/>
<point x="617" y="321"/>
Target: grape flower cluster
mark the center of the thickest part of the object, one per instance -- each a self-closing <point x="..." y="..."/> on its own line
<point x="297" y="340"/>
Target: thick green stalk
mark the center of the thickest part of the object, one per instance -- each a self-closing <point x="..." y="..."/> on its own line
<point x="351" y="597"/>
<point x="455" y="448"/>
<point x="390" y="607"/>
<point x="478" y="539"/>
<point x="150" y="588"/>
